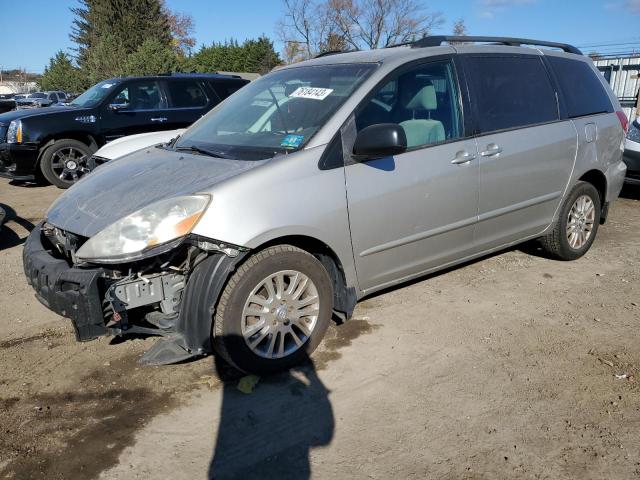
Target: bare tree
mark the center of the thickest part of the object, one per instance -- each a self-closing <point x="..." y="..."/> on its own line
<point x="459" y="28"/>
<point x="182" y="28"/>
<point x="304" y="28"/>
<point x="321" y="25"/>
<point x="366" y="24"/>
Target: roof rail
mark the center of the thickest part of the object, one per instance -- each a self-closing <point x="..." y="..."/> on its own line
<point x="437" y="40"/>
<point x="332" y="52"/>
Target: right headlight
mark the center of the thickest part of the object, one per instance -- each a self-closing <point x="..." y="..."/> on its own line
<point x="14" y="132"/>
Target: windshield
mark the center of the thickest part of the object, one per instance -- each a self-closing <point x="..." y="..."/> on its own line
<point x="277" y="113"/>
<point x="37" y="95"/>
<point x="95" y="94"/>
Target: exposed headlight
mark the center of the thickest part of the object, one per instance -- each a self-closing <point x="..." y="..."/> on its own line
<point x="14" y="132"/>
<point x="150" y="227"/>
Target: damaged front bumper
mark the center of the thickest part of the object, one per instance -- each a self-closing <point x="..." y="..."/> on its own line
<point x="149" y="298"/>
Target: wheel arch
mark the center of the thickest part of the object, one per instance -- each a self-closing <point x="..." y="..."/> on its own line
<point x="599" y="181"/>
<point x="344" y="295"/>
<point x="83" y="137"/>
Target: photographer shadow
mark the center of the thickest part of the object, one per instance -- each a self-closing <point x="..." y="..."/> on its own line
<point x="270" y="432"/>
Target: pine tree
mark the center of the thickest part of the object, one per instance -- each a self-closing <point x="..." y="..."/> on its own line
<point x="129" y="22"/>
<point x="152" y="58"/>
<point x="257" y="56"/>
<point x="61" y="74"/>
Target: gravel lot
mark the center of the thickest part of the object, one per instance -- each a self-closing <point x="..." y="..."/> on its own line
<point x="503" y="368"/>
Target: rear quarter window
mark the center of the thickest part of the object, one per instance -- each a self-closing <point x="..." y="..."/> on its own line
<point x="582" y="90"/>
<point x="510" y="92"/>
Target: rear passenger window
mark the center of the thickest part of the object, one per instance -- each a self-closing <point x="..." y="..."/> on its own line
<point x="423" y="101"/>
<point x="186" y="94"/>
<point x="510" y="92"/>
<point x="581" y="88"/>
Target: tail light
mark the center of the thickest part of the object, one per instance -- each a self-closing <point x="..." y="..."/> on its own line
<point x="624" y="121"/>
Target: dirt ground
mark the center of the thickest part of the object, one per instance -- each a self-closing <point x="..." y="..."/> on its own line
<point x="514" y="366"/>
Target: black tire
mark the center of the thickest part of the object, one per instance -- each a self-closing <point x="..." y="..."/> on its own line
<point x="51" y="158"/>
<point x="556" y="243"/>
<point x="228" y="341"/>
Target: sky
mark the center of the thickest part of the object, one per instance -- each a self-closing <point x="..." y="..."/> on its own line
<point x="581" y="22"/>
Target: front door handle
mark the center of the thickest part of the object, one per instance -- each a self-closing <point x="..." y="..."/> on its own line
<point x="492" y="150"/>
<point x="159" y="119"/>
<point x="462" y="158"/>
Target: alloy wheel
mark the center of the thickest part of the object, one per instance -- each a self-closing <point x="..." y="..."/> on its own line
<point x="69" y="164"/>
<point x="580" y="222"/>
<point x="280" y="314"/>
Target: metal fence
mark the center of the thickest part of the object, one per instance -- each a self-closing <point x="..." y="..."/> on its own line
<point x="623" y="74"/>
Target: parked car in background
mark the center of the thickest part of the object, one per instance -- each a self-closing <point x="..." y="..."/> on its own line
<point x="132" y="143"/>
<point x="632" y="153"/>
<point x="326" y="181"/>
<point x="58" y="141"/>
<point x="40" y="99"/>
<point x="7" y="102"/>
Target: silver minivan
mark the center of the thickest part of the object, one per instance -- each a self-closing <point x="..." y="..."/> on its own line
<point x="328" y="180"/>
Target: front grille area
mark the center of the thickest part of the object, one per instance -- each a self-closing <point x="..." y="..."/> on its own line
<point x="95" y="161"/>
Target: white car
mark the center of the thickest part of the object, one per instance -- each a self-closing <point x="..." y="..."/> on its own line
<point x="132" y="143"/>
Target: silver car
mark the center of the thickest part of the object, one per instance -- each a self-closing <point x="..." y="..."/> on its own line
<point x="328" y="180"/>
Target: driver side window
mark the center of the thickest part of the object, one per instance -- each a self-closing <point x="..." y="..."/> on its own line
<point x="140" y="96"/>
<point x="423" y="101"/>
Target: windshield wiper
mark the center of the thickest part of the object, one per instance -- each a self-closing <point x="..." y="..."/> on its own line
<point x="202" y="151"/>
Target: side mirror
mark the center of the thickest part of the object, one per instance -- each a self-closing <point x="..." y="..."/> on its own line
<point x="119" y="106"/>
<point x="379" y="140"/>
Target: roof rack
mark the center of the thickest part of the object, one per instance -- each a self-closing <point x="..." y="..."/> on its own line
<point x="333" y="52"/>
<point x="437" y="40"/>
<point x="201" y="75"/>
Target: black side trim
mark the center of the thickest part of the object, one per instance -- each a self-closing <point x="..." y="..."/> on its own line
<point x="200" y="299"/>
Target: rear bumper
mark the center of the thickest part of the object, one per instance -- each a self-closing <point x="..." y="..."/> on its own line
<point x="18" y="162"/>
<point x="70" y="292"/>
<point x="615" y="175"/>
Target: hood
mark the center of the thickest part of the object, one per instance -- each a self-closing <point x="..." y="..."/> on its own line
<point x="126" y="145"/>
<point x="7" y="117"/>
<point x="118" y="189"/>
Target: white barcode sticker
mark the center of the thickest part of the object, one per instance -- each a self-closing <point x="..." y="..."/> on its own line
<point x="311" y="92"/>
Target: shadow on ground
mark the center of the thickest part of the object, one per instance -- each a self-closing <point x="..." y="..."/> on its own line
<point x="8" y="237"/>
<point x="270" y="432"/>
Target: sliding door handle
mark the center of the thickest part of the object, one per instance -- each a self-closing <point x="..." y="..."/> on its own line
<point x="492" y="150"/>
<point x="462" y="158"/>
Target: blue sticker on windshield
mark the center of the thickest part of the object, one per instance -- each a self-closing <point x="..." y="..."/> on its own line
<point x="292" y="141"/>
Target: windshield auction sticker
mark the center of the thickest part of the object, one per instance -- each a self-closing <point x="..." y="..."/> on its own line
<point x="311" y="92"/>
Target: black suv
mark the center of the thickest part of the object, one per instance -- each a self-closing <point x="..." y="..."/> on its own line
<point x="57" y="141"/>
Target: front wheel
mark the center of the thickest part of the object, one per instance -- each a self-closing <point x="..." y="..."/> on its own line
<point x="65" y="162"/>
<point x="576" y="229"/>
<point x="274" y="311"/>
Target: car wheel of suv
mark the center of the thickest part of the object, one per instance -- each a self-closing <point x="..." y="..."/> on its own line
<point x="274" y="311"/>
<point x="576" y="229"/>
<point x="65" y="162"/>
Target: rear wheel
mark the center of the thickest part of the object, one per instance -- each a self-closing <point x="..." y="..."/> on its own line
<point x="576" y="229"/>
<point x="65" y="162"/>
<point x="274" y="311"/>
